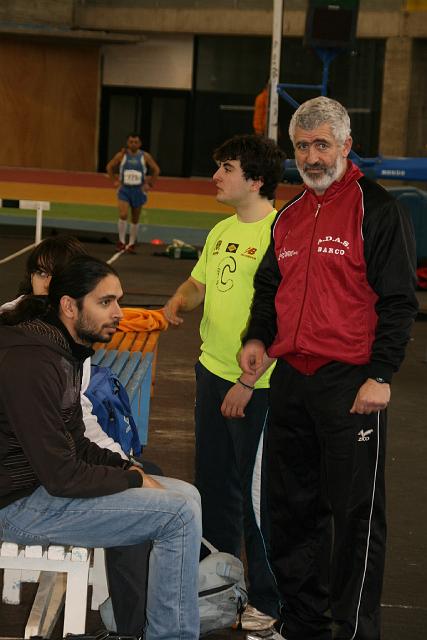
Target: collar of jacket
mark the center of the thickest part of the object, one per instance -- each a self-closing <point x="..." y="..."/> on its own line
<point x="79" y="351"/>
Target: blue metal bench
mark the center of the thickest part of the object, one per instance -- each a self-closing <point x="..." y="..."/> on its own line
<point x="134" y="370"/>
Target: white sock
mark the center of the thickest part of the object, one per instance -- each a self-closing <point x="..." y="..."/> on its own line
<point x="133" y="234"/>
<point x="122" y="225"/>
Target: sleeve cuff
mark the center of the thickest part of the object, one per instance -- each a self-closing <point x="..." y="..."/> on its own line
<point x="378" y="369"/>
<point x="135" y="480"/>
<point x="257" y="333"/>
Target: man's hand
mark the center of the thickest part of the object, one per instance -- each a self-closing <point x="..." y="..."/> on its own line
<point x="235" y="401"/>
<point x="171" y="309"/>
<point x="252" y="356"/>
<point x="187" y="297"/>
<point x="148" y="481"/>
<point x="371" y="397"/>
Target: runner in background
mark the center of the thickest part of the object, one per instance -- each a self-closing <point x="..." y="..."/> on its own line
<point x="133" y="182"/>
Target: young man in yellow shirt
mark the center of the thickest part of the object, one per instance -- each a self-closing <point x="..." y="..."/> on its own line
<point x="231" y="407"/>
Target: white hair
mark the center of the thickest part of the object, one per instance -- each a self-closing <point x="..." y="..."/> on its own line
<point x="318" y="111"/>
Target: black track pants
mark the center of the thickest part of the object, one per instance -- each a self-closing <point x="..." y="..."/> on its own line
<point x="229" y="461"/>
<point x="327" y="504"/>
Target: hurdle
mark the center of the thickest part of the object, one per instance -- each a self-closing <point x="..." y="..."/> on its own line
<point x="35" y="205"/>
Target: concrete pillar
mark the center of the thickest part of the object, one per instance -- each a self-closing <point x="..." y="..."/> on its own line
<point x="417" y="118"/>
<point x="396" y="96"/>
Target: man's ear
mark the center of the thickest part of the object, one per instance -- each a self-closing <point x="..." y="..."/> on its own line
<point x="346" y="148"/>
<point x="68" y="307"/>
<point x="257" y="184"/>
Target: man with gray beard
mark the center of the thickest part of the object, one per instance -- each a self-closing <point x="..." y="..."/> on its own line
<point x="334" y="303"/>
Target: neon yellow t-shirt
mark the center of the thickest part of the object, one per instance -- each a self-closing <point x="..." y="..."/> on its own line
<point x="230" y="258"/>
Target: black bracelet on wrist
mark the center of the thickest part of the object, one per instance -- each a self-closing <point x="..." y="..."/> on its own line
<point x="247" y="386"/>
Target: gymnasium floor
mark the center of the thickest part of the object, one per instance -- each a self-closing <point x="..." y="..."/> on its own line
<point x="150" y="280"/>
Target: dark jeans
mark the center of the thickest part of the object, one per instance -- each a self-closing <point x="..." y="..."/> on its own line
<point x="229" y="467"/>
<point x="327" y="503"/>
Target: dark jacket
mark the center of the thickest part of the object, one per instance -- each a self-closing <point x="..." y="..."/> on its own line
<point x="338" y="280"/>
<point x="42" y="438"/>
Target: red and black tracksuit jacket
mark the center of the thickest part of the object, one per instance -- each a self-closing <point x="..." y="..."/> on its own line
<point x="337" y="282"/>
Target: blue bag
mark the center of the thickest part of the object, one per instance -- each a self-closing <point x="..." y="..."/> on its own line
<point x="111" y="406"/>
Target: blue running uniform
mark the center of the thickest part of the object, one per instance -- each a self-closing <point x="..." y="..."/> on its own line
<point x="132" y="175"/>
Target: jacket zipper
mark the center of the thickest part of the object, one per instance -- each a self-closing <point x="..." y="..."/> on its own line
<point x="306" y="276"/>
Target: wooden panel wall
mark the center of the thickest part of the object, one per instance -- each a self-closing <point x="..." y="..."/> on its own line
<point x="49" y="104"/>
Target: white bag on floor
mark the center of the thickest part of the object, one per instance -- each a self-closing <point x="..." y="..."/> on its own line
<point x="222" y="590"/>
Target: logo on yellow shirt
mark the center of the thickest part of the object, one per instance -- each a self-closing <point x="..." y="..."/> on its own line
<point x="250" y="253"/>
<point x="232" y="247"/>
<point x="217" y="248"/>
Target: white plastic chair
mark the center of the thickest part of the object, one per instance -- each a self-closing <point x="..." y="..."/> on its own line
<point x="63" y="575"/>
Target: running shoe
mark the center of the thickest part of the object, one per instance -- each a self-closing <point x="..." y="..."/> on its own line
<point x="130" y="249"/>
<point x="120" y="246"/>
<point x="254" y="620"/>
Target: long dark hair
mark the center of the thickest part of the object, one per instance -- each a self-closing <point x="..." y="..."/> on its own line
<point x="76" y="279"/>
<point x="50" y="255"/>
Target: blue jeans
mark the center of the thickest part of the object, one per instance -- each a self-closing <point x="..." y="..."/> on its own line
<point x="171" y="518"/>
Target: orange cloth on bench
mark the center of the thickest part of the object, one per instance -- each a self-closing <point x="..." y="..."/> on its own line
<point x="139" y="319"/>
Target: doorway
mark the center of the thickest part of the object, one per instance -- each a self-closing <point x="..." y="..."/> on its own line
<point x="161" y="117"/>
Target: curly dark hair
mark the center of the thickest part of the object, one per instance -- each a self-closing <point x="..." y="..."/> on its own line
<point x="260" y="159"/>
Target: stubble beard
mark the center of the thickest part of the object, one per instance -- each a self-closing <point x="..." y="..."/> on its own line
<point x="87" y="335"/>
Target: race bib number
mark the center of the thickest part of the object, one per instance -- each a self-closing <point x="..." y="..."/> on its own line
<point x="132" y="177"/>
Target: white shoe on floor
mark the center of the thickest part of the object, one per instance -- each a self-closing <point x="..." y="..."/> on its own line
<point x="254" y="620"/>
